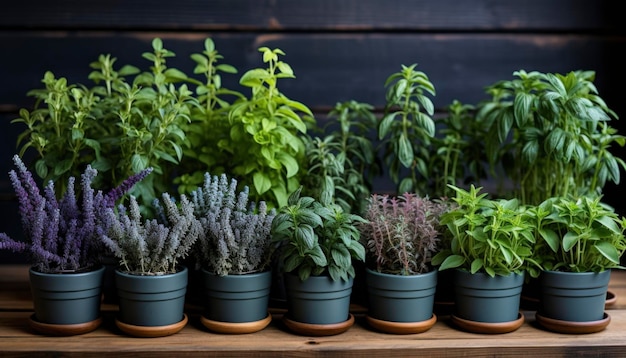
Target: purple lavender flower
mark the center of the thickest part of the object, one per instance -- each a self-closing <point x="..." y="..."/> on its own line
<point x="62" y="235"/>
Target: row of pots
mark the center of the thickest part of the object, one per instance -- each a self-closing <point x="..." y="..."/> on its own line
<point x="152" y="306"/>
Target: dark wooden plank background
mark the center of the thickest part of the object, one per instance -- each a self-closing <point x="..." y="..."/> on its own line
<point x="339" y="50"/>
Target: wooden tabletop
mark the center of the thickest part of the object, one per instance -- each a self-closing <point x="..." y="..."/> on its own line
<point x="17" y="339"/>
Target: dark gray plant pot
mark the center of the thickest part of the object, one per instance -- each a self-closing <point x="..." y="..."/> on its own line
<point x="69" y="298"/>
<point x="574" y="296"/>
<point x="236" y="298"/>
<point x="482" y="298"/>
<point x="151" y="300"/>
<point x="318" y="300"/>
<point x="399" y="298"/>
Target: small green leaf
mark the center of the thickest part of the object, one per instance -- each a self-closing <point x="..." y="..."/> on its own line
<point x="452" y="261"/>
<point x="262" y="182"/>
<point x="405" y="151"/>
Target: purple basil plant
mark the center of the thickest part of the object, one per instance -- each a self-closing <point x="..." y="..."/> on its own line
<point x="62" y="235"/>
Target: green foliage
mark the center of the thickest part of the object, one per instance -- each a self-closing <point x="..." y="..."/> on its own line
<point x="317" y="238"/>
<point x="209" y="120"/>
<point x="407" y="128"/>
<point x="578" y="235"/>
<point x="342" y="163"/>
<point x="264" y="147"/>
<point x="457" y="156"/>
<point x="119" y="126"/>
<point x="402" y="233"/>
<point x="490" y="236"/>
<point x="550" y="133"/>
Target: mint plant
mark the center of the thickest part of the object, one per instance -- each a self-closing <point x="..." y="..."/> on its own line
<point x="317" y="238"/>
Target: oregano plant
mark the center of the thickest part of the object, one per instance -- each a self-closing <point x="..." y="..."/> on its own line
<point x="127" y="120"/>
<point x="494" y="237"/>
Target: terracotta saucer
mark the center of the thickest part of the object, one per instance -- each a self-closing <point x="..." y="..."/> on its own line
<point x="611" y="298"/>
<point x="151" y="331"/>
<point x="311" y="329"/>
<point x="573" y="327"/>
<point x="488" y="327"/>
<point x="402" y="327"/>
<point x="63" y="329"/>
<point x="236" y="328"/>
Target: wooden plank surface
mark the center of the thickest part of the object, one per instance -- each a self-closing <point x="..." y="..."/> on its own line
<point x="286" y="15"/>
<point x="443" y="340"/>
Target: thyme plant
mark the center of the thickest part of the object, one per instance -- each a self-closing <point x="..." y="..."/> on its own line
<point x="235" y="237"/>
<point x="402" y="233"/>
<point x="149" y="246"/>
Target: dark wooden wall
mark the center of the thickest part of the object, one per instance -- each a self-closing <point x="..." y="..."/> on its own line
<point x="339" y="49"/>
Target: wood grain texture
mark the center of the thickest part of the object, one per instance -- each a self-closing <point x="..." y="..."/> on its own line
<point x="319" y="15"/>
<point x="329" y="67"/>
<point x="443" y="340"/>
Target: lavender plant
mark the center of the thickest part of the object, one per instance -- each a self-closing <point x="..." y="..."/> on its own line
<point x="235" y="237"/>
<point x="150" y="246"/>
<point x="402" y="233"/>
<point x="62" y="235"/>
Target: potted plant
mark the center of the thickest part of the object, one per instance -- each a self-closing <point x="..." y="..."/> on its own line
<point x="233" y="252"/>
<point x="401" y="237"/>
<point x="62" y="245"/>
<point x="319" y="242"/>
<point x="580" y="240"/>
<point x="151" y="283"/>
<point x="491" y="246"/>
